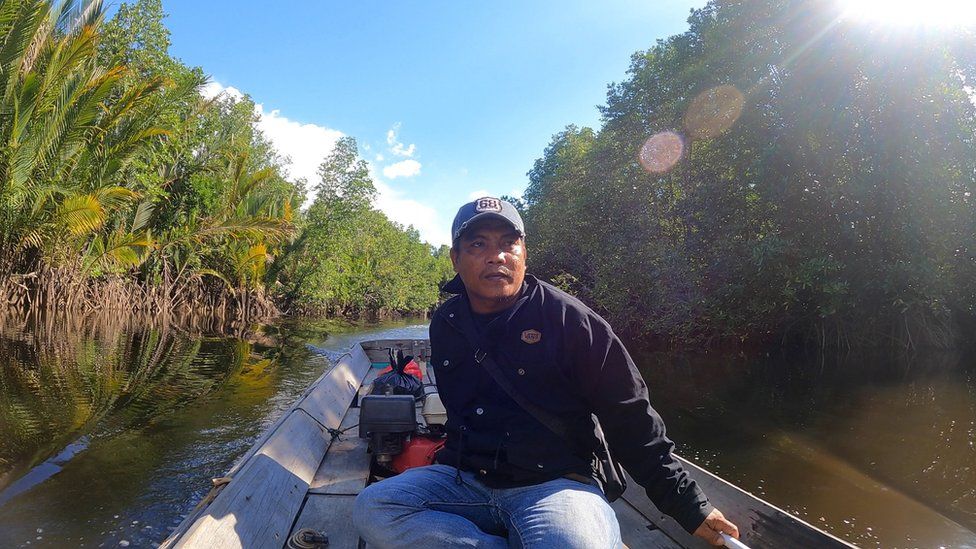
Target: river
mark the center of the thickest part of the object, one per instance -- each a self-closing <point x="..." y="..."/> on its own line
<point x="110" y="434"/>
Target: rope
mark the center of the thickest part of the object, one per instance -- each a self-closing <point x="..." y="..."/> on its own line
<point x="334" y="433"/>
<point x="306" y="538"/>
<point x="216" y="485"/>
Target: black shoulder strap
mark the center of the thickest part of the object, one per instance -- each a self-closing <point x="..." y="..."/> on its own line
<point x="551" y="421"/>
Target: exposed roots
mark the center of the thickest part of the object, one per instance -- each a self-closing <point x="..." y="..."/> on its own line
<point x="51" y="290"/>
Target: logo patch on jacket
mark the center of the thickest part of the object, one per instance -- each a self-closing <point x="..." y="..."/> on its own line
<point x="531" y="336"/>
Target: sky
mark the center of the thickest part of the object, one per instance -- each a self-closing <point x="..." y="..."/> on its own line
<point x="448" y="100"/>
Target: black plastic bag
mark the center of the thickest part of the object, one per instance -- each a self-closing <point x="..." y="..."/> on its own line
<point x="397" y="381"/>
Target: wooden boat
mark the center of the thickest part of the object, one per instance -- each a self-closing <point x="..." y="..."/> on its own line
<point x="297" y="476"/>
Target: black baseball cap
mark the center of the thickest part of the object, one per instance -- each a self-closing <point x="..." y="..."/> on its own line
<point x="484" y="208"/>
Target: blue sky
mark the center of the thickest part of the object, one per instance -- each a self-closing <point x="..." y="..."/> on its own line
<point x="446" y="99"/>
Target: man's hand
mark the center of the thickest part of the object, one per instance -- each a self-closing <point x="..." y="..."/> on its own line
<point x="713" y="526"/>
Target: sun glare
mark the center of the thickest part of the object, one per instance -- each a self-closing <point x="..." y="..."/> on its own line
<point x="913" y="12"/>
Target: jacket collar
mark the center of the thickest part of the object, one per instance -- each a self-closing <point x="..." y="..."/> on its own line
<point x="455" y="286"/>
<point x="457" y="312"/>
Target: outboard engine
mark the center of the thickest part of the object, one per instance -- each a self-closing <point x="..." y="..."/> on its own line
<point x="387" y="421"/>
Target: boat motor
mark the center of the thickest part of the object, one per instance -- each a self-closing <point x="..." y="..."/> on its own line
<point x="387" y="421"/>
<point x="396" y="440"/>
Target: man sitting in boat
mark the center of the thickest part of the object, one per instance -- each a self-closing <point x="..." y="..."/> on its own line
<point x="511" y="474"/>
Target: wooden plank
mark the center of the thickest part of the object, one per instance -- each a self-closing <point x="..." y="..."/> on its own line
<point x="328" y="402"/>
<point x="346" y="465"/>
<point x="331" y="515"/>
<point x="760" y="523"/>
<point x="258" y="506"/>
<point x="637" y="531"/>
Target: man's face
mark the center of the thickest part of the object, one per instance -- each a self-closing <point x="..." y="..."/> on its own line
<point x="490" y="257"/>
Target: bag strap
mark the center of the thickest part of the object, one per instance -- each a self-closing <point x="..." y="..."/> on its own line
<point x="551" y="421"/>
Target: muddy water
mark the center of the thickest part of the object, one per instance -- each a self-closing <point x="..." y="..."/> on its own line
<point x="112" y="434"/>
<point x="877" y="450"/>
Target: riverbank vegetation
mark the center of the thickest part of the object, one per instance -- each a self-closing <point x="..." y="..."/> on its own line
<point x="123" y="188"/>
<point x="776" y="174"/>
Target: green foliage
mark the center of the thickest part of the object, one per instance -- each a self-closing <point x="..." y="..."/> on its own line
<point x="113" y="165"/>
<point x="350" y="258"/>
<point x="824" y="191"/>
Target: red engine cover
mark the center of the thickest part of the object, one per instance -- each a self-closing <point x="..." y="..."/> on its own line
<point x="417" y="452"/>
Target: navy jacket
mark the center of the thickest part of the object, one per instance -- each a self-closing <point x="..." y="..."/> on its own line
<point x="564" y="357"/>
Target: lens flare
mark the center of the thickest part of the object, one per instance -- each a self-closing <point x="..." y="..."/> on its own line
<point x="713" y="111"/>
<point x="661" y="152"/>
<point x="937" y="13"/>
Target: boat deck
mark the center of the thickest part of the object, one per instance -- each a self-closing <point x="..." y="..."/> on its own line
<point x="299" y="476"/>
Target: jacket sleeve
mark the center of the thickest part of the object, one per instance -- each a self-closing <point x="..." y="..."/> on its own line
<point x="612" y="385"/>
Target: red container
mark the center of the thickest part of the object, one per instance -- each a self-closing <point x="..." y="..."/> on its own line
<point x="417" y="452"/>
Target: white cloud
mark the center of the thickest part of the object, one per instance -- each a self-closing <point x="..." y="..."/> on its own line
<point x="396" y="147"/>
<point x="399" y="150"/>
<point x="404" y="168"/>
<point x="213" y="88"/>
<point x="407" y="211"/>
<point x="306" y="145"/>
<point x="474" y="195"/>
<point x="379" y="157"/>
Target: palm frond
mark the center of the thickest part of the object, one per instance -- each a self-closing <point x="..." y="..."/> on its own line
<point x="216" y="274"/>
<point x="82" y="214"/>
<point x="115" y="197"/>
<point x="250" y="264"/>
<point x="75" y="14"/>
<point x="143" y="214"/>
<point x="255" y="228"/>
<point x="27" y="20"/>
<point x="119" y="251"/>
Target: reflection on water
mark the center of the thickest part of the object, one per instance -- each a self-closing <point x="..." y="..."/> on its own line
<point x="111" y="432"/>
<point x="878" y="451"/>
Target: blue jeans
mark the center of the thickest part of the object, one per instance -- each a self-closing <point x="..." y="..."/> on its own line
<point x="426" y="507"/>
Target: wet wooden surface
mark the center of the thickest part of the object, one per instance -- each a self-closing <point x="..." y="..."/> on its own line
<point x="637" y="531"/>
<point x="330" y="514"/>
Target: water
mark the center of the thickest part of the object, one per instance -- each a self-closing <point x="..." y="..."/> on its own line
<point x="879" y="451"/>
<point x="111" y="433"/>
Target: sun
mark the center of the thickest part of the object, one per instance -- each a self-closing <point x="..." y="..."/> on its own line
<point x="941" y="13"/>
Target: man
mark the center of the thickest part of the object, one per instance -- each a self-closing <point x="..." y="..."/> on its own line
<point x="504" y="478"/>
